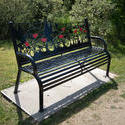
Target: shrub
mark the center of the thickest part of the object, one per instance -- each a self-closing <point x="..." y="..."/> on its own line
<point x="98" y="13"/>
<point x="26" y="11"/>
<point x="14" y="10"/>
<point x="118" y="22"/>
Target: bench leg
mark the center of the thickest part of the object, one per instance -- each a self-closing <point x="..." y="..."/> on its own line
<point x="40" y="98"/>
<point x="108" y="67"/>
<point x="17" y="82"/>
<point x="40" y="94"/>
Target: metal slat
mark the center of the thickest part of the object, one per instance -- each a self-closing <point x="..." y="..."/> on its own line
<point x="73" y="76"/>
<point x="74" y="70"/>
<point x="71" y="66"/>
<point x="70" y="72"/>
<point x="106" y="58"/>
<point x="26" y="70"/>
<point x="44" y="72"/>
<point x="72" y="63"/>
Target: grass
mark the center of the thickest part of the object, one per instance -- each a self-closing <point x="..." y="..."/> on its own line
<point x="9" y="114"/>
<point x="123" y="95"/>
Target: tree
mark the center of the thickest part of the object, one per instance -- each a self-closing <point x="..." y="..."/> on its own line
<point x="118" y="21"/>
<point x="26" y="11"/>
<point x="12" y="11"/>
<point x="68" y="4"/>
<point x="98" y="13"/>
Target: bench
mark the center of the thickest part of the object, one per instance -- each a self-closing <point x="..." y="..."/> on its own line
<point x="55" y="53"/>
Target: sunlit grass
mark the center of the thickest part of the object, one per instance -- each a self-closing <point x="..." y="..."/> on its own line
<point x="123" y="95"/>
<point x="8" y="66"/>
<point x="8" y="72"/>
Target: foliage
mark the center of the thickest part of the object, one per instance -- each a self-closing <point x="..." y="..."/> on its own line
<point x="118" y="23"/>
<point x="26" y="11"/>
<point x="41" y="9"/>
<point x="96" y="11"/>
<point x="68" y="4"/>
<point x="106" y="17"/>
<point x="14" y="11"/>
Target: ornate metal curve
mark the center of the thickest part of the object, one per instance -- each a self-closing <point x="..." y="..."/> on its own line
<point x="50" y="38"/>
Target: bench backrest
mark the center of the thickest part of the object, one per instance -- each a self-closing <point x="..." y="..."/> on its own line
<point x="42" y="40"/>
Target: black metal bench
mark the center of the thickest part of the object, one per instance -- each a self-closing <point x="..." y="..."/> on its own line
<point x="55" y="53"/>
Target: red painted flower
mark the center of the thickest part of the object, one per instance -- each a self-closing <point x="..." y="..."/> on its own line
<point x="43" y="40"/>
<point x="63" y="29"/>
<point x="80" y="29"/>
<point x="27" y="44"/>
<point x="85" y="31"/>
<point x="61" y="36"/>
<point x="75" y="31"/>
<point x="35" y="35"/>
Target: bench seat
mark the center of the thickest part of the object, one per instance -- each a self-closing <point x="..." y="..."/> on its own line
<point x="55" y="68"/>
<point x="62" y="59"/>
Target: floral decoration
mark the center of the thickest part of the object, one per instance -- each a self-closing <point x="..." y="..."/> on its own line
<point x="61" y="36"/>
<point x="75" y="31"/>
<point x="85" y="31"/>
<point x="35" y="35"/>
<point x="63" y="29"/>
<point x="80" y="29"/>
<point x="44" y="39"/>
<point x="27" y="44"/>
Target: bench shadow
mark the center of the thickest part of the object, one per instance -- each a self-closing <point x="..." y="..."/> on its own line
<point x="82" y="99"/>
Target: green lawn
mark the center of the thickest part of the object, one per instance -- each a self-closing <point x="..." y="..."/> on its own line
<point x="10" y="115"/>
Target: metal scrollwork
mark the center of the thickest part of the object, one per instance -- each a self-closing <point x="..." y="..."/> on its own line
<point x="50" y="37"/>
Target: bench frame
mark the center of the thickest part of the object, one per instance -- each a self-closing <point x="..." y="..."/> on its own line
<point x="30" y="59"/>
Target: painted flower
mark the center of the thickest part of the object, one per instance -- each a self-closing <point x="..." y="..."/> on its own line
<point x="27" y="44"/>
<point x="35" y="35"/>
<point x="85" y="31"/>
<point x="43" y="40"/>
<point x="80" y="29"/>
<point x="63" y="29"/>
<point x="61" y="36"/>
<point x="75" y="31"/>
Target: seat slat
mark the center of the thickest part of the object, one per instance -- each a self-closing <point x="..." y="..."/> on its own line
<point x="77" y="68"/>
<point x="62" y="61"/>
<point x="76" y="74"/>
<point x="76" y="64"/>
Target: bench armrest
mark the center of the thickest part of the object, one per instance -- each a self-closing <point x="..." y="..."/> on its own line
<point x="100" y="40"/>
<point x="29" y="58"/>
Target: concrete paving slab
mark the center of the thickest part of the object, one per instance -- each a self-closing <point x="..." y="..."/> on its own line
<point x="56" y="98"/>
